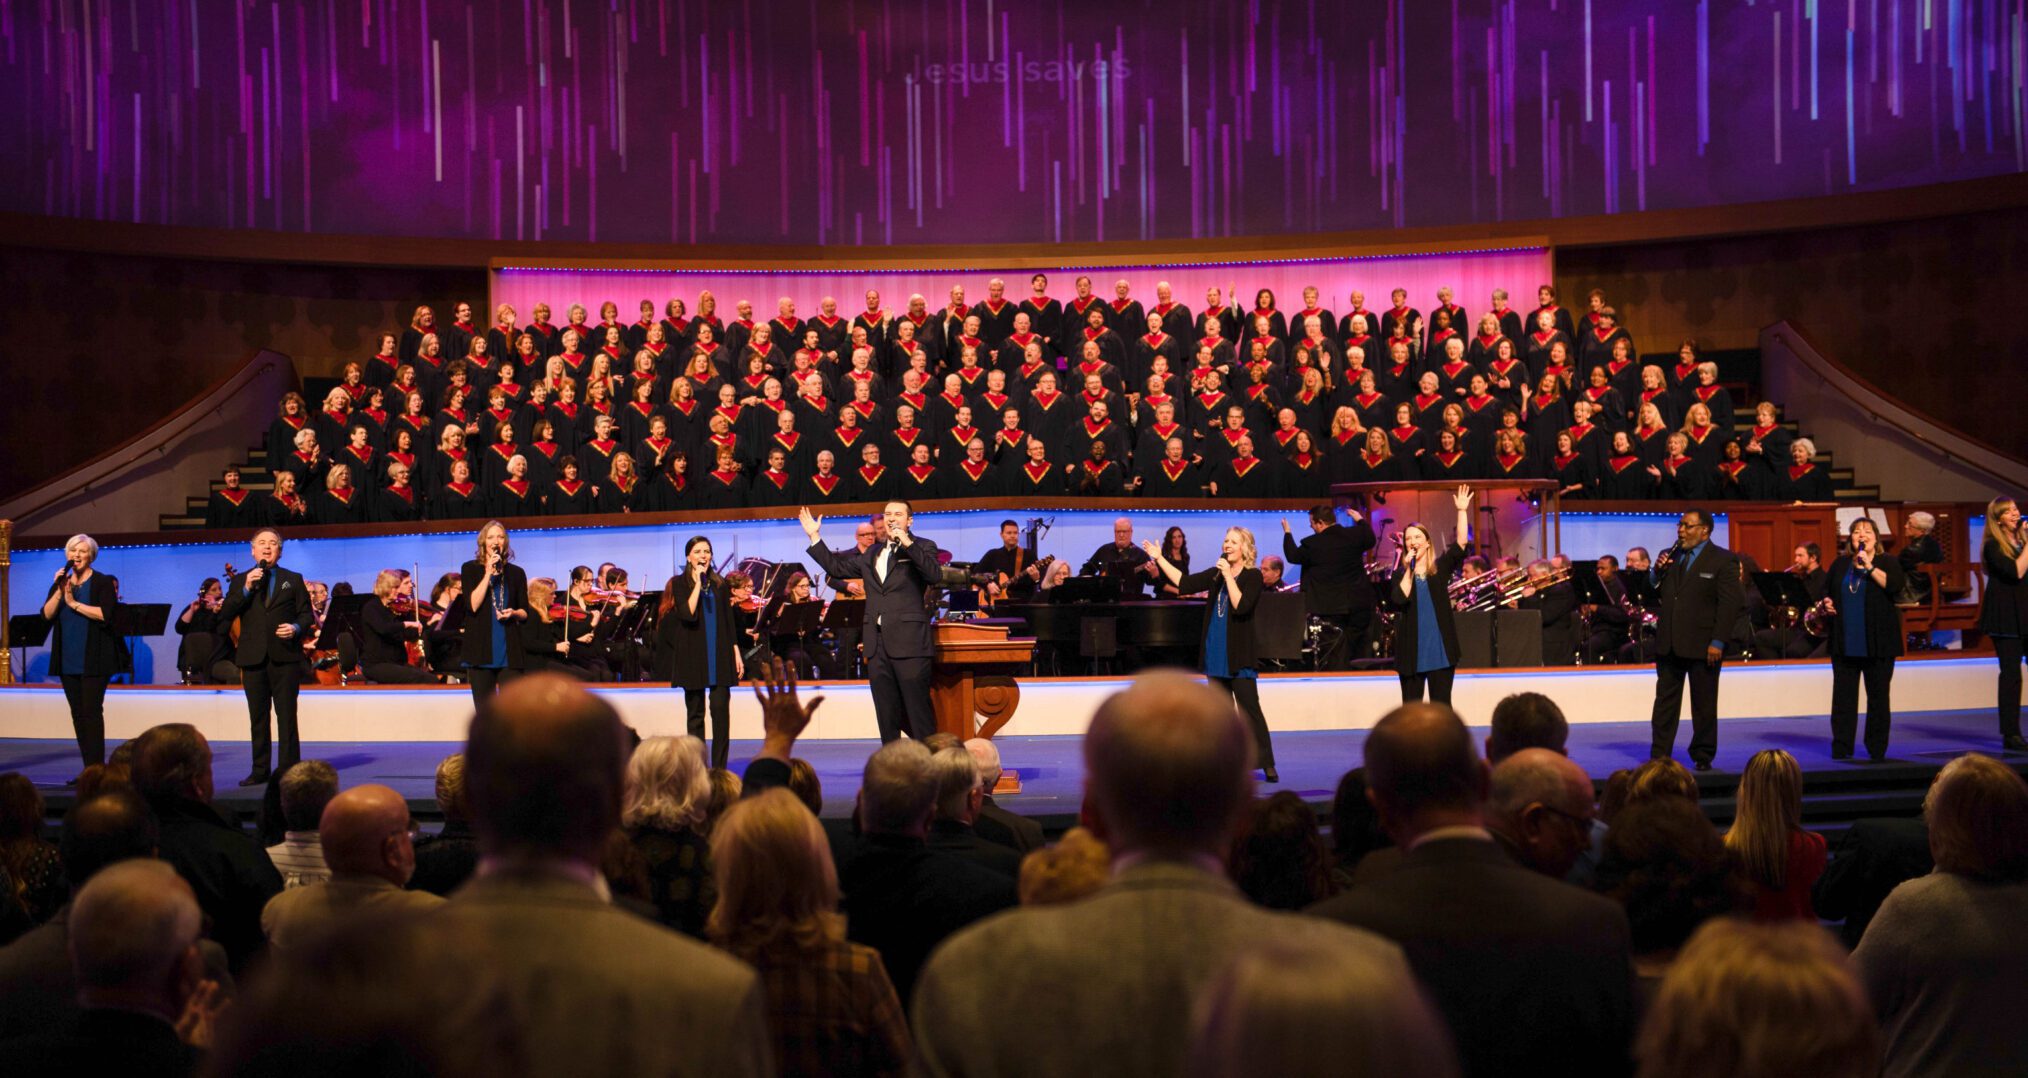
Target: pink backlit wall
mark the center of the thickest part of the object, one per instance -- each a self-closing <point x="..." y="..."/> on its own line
<point x="1473" y="274"/>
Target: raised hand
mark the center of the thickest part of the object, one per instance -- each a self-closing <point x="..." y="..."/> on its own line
<point x="783" y="716"/>
<point x="1152" y="550"/>
<point x="812" y="525"/>
<point x="1463" y="498"/>
<point x="1285" y="525"/>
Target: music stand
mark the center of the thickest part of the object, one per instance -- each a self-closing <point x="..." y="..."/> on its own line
<point x="844" y="615"/>
<point x="131" y="620"/>
<point x="1640" y="591"/>
<point x="1784" y="589"/>
<point x="1086" y="589"/>
<point x="799" y="619"/>
<point x="1585" y="582"/>
<point x="26" y="631"/>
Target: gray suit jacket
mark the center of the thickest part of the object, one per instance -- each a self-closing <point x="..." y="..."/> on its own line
<point x="1112" y="978"/>
<point x="607" y="992"/>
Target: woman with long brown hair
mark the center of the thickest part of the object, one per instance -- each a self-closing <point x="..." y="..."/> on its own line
<point x="1767" y="839"/>
<point x="1426" y="646"/>
<point x="703" y="646"/>
<point x="2004" y="618"/>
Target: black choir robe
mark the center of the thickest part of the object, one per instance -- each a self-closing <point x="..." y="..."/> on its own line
<point x="965" y="479"/>
<point x="819" y="489"/>
<point x="1161" y="478"/>
<point x="615" y="496"/>
<point x="397" y="505"/>
<point x="458" y="501"/>
<point x="772" y="488"/>
<point x="918" y="483"/>
<point x="1251" y="477"/>
<point x="353" y="505"/>
<point x="514" y="498"/>
<point x="1027" y="478"/>
<point x="1626" y="479"/>
<point x="232" y="509"/>
<point x="568" y="497"/>
<point x="1098" y="479"/>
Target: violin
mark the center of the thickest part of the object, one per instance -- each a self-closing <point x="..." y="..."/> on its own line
<point x="406" y="605"/>
<point x="572" y="611"/>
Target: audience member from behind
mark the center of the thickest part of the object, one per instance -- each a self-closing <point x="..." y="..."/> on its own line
<point x="306" y="787"/>
<point x="370" y="849"/>
<point x="1871" y="859"/>
<point x="667" y="790"/>
<point x="1076" y="865"/>
<point x="1279" y="859"/>
<point x="27" y="858"/>
<point x="545" y="768"/>
<point x="1531" y="974"/>
<point x="726" y="788"/>
<point x="230" y="874"/>
<point x="1355" y="829"/>
<point x="1297" y="1013"/>
<point x="956" y="774"/>
<point x="1760" y="1001"/>
<point x="1780" y="859"/>
<point x="1661" y="777"/>
<point x="1943" y="959"/>
<point x="996" y="824"/>
<point x="445" y="860"/>
<point x="1540" y="810"/>
<point x="134" y="932"/>
<point x="808" y="788"/>
<point x="1526" y="720"/>
<point x="1168" y="766"/>
<point x="830" y="1007"/>
<point x="902" y="898"/>
<point x="1666" y="866"/>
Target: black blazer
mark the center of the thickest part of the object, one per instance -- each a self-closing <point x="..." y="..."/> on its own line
<point x="680" y="635"/>
<point x="1699" y="602"/>
<point x="1240" y="650"/>
<point x="105" y="652"/>
<point x="1876" y="606"/>
<point x="476" y="647"/>
<point x="1531" y="974"/>
<point x="2006" y="603"/>
<point x="1447" y="564"/>
<point x="897" y="614"/>
<point x="281" y="600"/>
<point x="386" y="635"/>
<point x="1334" y="567"/>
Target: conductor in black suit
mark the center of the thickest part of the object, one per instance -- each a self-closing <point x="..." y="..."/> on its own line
<point x="898" y="641"/>
<point x="1700" y="599"/>
<point x="1336" y="588"/>
<point x="273" y="608"/>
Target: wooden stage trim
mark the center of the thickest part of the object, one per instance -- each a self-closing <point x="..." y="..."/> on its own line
<point x="1048" y="706"/>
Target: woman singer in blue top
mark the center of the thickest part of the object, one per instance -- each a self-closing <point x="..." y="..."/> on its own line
<point x="1232" y="589"/>
<point x="703" y="646"/>
<point x="1426" y="638"/>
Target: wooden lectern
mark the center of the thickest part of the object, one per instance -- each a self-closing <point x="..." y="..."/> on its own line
<point x="972" y="676"/>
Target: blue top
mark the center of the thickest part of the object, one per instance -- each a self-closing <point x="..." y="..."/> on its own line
<point x="76" y="630"/>
<point x="1216" y="662"/>
<point x="499" y="660"/>
<point x="1852" y="613"/>
<point x="1429" y="636"/>
<point x="708" y="609"/>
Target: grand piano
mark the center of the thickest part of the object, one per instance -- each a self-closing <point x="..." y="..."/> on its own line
<point x="1070" y="638"/>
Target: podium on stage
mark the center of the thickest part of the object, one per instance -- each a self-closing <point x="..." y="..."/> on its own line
<point x="972" y="676"/>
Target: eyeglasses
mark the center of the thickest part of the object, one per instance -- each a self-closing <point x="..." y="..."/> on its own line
<point x="1583" y="822"/>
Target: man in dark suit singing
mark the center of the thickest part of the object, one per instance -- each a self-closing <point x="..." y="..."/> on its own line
<point x="273" y="609"/>
<point x="1700" y="600"/>
<point x="1335" y="586"/>
<point x="898" y="641"/>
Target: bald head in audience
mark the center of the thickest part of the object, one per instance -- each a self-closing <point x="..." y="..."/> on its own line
<point x="1541" y="804"/>
<point x="1423" y="772"/>
<point x="1168" y="766"/>
<point x="365" y="832"/>
<point x="545" y="764"/>
<point x="133" y="939"/>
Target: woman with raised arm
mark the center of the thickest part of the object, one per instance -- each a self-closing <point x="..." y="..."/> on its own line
<point x="1426" y="639"/>
<point x="1232" y="587"/>
<point x="703" y="647"/>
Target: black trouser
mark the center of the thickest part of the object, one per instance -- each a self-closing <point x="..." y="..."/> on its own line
<point x="1670" y="670"/>
<point x="273" y="685"/>
<point x="1438" y="680"/>
<point x="397" y="674"/>
<point x="86" y="696"/>
<point x="1351" y="634"/>
<point x="1245" y="691"/>
<point x="901" y="691"/>
<point x="486" y="682"/>
<point x="1846" y="674"/>
<point x="2009" y="649"/>
<point x="721" y="718"/>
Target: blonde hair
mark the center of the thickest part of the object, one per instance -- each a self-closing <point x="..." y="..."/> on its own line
<point x="1759" y="1001"/>
<point x="666" y="784"/>
<point x="507" y="552"/>
<point x="1249" y="556"/>
<point x="1997" y="532"/>
<point x="385" y="581"/>
<point x="777" y="887"/>
<point x="1074" y="866"/>
<point x="541" y="591"/>
<point x="1770" y="810"/>
<point x="1690" y="417"/>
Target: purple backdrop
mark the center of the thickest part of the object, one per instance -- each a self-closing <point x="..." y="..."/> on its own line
<point x="962" y="121"/>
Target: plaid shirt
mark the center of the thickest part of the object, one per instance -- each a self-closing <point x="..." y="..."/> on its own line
<point x="833" y="1012"/>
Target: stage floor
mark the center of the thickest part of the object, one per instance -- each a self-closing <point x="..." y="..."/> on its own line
<point x="1052" y="770"/>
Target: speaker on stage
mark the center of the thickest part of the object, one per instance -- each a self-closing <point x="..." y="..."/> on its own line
<point x="1475" y="638"/>
<point x="1519" y="634"/>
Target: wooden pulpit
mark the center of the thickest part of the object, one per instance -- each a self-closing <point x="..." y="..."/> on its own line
<point x="973" y="676"/>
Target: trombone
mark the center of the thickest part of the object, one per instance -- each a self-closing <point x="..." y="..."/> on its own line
<point x="1511" y="583"/>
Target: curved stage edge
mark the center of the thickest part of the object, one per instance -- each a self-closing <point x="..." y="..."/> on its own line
<point x="1049" y="706"/>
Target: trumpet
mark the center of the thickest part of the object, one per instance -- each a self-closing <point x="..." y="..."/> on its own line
<point x="1515" y="585"/>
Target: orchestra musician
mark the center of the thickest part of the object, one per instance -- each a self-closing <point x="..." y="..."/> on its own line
<point x="1700" y="600"/>
<point x="1121" y="560"/>
<point x="802" y="654"/>
<point x="1233" y="589"/>
<point x="1426" y="645"/>
<point x="1865" y="639"/>
<point x="1557" y="601"/>
<point x="2004" y="618"/>
<point x="390" y="642"/>
<point x="1271" y="575"/>
<point x="1335" y="586"/>
<point x="697" y="629"/>
<point x="898" y="643"/>
<point x="275" y="613"/>
<point x="1012" y="571"/>
<point x="496" y="595"/>
<point x="84" y="652"/>
<point x="202" y="648"/>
